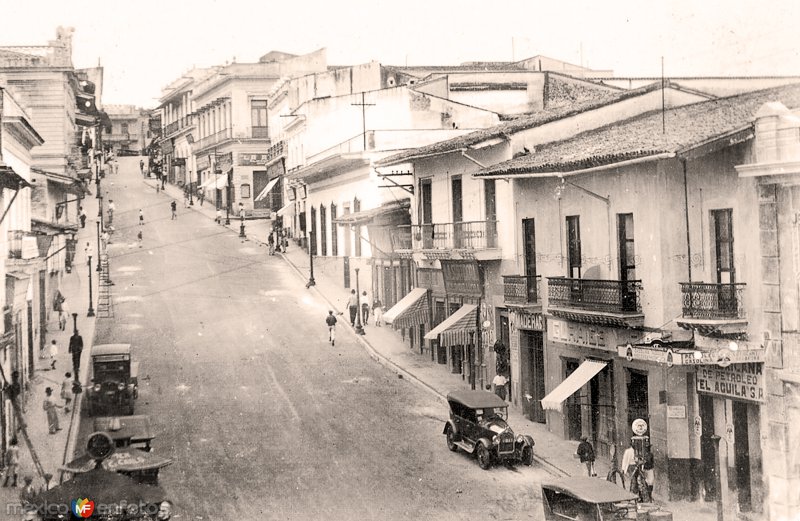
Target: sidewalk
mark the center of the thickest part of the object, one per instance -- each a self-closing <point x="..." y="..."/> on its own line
<point x="384" y="344"/>
<point x="54" y="449"/>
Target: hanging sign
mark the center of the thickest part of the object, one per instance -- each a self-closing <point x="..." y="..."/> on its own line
<point x="736" y="381"/>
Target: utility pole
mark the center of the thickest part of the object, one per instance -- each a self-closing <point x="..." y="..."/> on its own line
<point x="363" y="106"/>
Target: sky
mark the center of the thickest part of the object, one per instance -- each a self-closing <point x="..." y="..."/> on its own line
<point x="146" y="44"/>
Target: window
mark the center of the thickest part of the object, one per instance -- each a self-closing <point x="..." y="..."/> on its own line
<point x="490" y="207"/>
<point x="334" y="233"/>
<point x="357" y="228"/>
<point x="346" y="208"/>
<point x="245" y="191"/>
<point x="529" y="242"/>
<point x="627" y="255"/>
<point x="258" y="117"/>
<point x="722" y="221"/>
<point x="313" y="238"/>
<point x="323" y="231"/>
<point x="425" y="218"/>
<point x="458" y="211"/>
<point x="124" y="128"/>
<point x="574" y="246"/>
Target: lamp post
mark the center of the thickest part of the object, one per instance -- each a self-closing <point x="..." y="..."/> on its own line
<point x="359" y="327"/>
<point x="311" y="281"/>
<point x="90" y="313"/>
<point x="241" y="225"/>
<point x="98" y="246"/>
<point x="75" y="321"/>
<point x="191" y="198"/>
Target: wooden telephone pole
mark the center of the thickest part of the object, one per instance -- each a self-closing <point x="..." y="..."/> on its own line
<point x="363" y="106"/>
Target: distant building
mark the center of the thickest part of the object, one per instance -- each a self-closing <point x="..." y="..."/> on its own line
<point x="129" y="132"/>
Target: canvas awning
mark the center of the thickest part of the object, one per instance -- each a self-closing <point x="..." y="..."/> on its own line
<point x="267" y="188"/>
<point x="10" y="179"/>
<point x="411" y="311"/>
<point x="216" y="183"/>
<point x="366" y="216"/>
<point x="456" y="329"/>
<point x="286" y="209"/>
<point x="573" y="382"/>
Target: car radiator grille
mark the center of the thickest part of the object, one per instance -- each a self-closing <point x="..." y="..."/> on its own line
<point x="506" y="445"/>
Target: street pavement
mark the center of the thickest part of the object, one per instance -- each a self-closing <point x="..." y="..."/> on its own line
<point x="384" y="344"/>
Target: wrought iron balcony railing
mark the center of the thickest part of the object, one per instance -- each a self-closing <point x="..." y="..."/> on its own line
<point x="401" y="238"/>
<point x="172" y="127"/>
<point x="213" y="139"/>
<point x="521" y="289"/>
<point x="473" y="235"/>
<point x="612" y="296"/>
<point x="712" y="301"/>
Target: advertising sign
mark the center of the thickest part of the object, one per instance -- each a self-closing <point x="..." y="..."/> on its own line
<point x="461" y="278"/>
<point x="737" y="381"/>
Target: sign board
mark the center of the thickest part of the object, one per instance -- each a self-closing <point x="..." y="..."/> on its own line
<point x="577" y="334"/>
<point x="663" y="354"/>
<point x="698" y="426"/>
<point x="260" y="159"/>
<point x="461" y="278"/>
<point x="639" y="426"/>
<point x="737" y="381"/>
<point x="203" y="162"/>
<point x="532" y="321"/>
<point x="224" y="162"/>
<point x="676" y="411"/>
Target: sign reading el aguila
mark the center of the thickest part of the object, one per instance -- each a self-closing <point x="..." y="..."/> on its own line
<point x="738" y="381"/>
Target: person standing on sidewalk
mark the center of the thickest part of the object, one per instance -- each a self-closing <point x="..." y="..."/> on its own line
<point x="377" y="310"/>
<point x="364" y="308"/>
<point x="586" y="455"/>
<point x="271" y="243"/>
<point x="352" y="306"/>
<point x="141" y="217"/>
<point x="75" y="349"/>
<point x="174" y="207"/>
<point x="49" y="405"/>
<point x="499" y="382"/>
<point x="82" y="216"/>
<point x="12" y="463"/>
<point x="331" y="321"/>
<point x="66" y="390"/>
<point x="53" y="353"/>
<point x="141" y="166"/>
<point x="218" y="218"/>
<point x="139" y="238"/>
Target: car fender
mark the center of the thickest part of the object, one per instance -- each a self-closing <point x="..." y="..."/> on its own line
<point x="486" y="442"/>
<point x="449" y="424"/>
<point x="527" y="440"/>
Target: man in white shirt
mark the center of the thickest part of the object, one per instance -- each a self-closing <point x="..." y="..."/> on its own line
<point x="499" y="382"/>
<point x="628" y="461"/>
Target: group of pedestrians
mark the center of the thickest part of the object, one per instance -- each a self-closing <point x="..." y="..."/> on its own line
<point x="356" y="304"/>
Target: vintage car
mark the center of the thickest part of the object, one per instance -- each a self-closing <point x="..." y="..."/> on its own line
<point x="113" y="380"/>
<point x="581" y="498"/>
<point x="478" y="425"/>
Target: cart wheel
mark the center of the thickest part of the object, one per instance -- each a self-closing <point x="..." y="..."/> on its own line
<point x="484" y="458"/>
<point x="451" y="444"/>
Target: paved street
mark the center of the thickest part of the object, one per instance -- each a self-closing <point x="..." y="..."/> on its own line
<point x="263" y="418"/>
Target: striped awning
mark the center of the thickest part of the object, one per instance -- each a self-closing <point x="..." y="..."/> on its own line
<point x="456" y="329"/>
<point x="573" y="382"/>
<point x="267" y="188"/>
<point x="411" y="311"/>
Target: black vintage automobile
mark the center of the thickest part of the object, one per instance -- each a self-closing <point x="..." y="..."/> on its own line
<point x="478" y="425"/>
<point x="113" y="380"/>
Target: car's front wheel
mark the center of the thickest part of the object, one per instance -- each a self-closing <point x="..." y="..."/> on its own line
<point x="527" y="455"/>
<point x="451" y="440"/>
<point x="484" y="457"/>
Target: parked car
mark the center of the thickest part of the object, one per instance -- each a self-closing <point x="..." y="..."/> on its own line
<point x="113" y="380"/>
<point x="478" y="426"/>
<point x="586" y="499"/>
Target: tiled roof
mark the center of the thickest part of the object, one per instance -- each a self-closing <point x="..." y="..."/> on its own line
<point x="641" y="136"/>
<point x="515" y="125"/>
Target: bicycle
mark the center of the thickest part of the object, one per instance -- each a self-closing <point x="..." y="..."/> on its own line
<point x="639" y="484"/>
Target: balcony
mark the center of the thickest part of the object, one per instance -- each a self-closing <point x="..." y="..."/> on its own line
<point x="456" y="240"/>
<point x="601" y="302"/>
<point x="172" y="128"/>
<point x="713" y="309"/>
<point x="213" y="139"/>
<point x="521" y="290"/>
<point x="22" y="245"/>
<point x="118" y="136"/>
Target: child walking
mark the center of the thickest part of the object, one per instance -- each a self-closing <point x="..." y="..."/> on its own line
<point x="53" y="353"/>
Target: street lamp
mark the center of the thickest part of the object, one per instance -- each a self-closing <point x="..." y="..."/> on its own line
<point x="98" y="246"/>
<point x="359" y="327"/>
<point x="90" y="313"/>
<point x="191" y="198"/>
<point x="75" y="320"/>
<point x="241" y="226"/>
<point x="311" y="281"/>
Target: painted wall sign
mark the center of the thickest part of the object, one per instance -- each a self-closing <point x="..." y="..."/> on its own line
<point x="737" y="381"/>
<point x="663" y="354"/>
<point x="532" y="321"/>
<point x="676" y="411"/>
<point x="577" y="334"/>
<point x="225" y="162"/>
<point x="203" y="162"/>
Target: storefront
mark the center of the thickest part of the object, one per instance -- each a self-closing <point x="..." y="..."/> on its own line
<point x="259" y="183"/>
<point x="526" y="361"/>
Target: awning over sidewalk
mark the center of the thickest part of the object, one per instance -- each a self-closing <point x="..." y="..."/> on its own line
<point x="216" y="183"/>
<point x="456" y="328"/>
<point x="575" y="381"/>
<point x="286" y="209"/>
<point x="411" y="311"/>
<point x="267" y="188"/>
<point x="367" y="216"/>
<point x="10" y="179"/>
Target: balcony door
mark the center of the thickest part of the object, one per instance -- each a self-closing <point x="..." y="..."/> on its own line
<point x="458" y="211"/>
<point x="490" y="207"/>
<point x="323" y="231"/>
<point x="334" y="233"/>
<point x="425" y="213"/>
<point x="529" y="242"/>
<point x="627" y="260"/>
<point x="722" y="221"/>
<point x="313" y="238"/>
<point x="574" y="246"/>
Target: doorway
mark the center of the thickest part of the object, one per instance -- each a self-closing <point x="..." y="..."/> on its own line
<point x="707" y="452"/>
<point x="532" y="377"/>
<point x="572" y="407"/>
<point x="741" y="455"/>
<point x="637" y="396"/>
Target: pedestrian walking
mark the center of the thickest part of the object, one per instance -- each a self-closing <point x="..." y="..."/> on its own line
<point x="75" y="349"/>
<point x="218" y="218"/>
<point x="377" y="311"/>
<point x="82" y="216"/>
<point x="116" y="167"/>
<point x="66" y="390"/>
<point x="87" y="250"/>
<point x="352" y="306"/>
<point x="12" y="463"/>
<point x="364" y="308"/>
<point x="141" y="217"/>
<point x="163" y="181"/>
<point x="629" y="461"/>
<point x="331" y="321"/>
<point x="174" y="206"/>
<point x="141" y="166"/>
<point x="62" y="319"/>
<point x="201" y="194"/>
<point x="271" y="243"/>
<point x="499" y="382"/>
<point x="50" y="407"/>
<point x="586" y="454"/>
<point x="139" y="237"/>
<point x="52" y="353"/>
<point x="106" y="239"/>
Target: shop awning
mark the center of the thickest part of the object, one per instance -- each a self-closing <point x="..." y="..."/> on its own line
<point x="10" y="179"/>
<point x="366" y="216"/>
<point x="575" y="381"/>
<point x="216" y="183"/>
<point x="267" y="188"/>
<point x="411" y="311"/>
<point x="456" y="328"/>
<point x="286" y="209"/>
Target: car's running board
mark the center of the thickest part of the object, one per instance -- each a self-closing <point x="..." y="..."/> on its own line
<point x="467" y="447"/>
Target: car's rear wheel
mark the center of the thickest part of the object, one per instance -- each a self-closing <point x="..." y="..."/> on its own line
<point x="451" y="440"/>
<point x="484" y="457"/>
<point x="527" y="455"/>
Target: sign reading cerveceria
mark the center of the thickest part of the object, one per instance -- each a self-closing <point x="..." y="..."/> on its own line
<point x="738" y="381"/>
